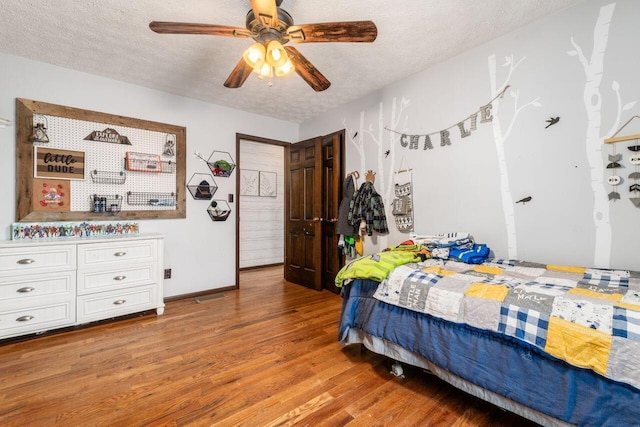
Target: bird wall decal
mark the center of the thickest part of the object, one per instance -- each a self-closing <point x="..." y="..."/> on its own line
<point x="525" y="200"/>
<point x="552" y="121"/>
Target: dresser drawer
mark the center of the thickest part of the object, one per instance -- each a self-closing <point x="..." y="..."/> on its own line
<point x="98" y="254"/>
<point x="116" y="303"/>
<point x="20" y="288"/>
<point x="40" y="318"/>
<point x="35" y="259"/>
<point x="91" y="281"/>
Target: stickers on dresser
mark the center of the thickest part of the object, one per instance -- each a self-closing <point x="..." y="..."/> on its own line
<point x="52" y="230"/>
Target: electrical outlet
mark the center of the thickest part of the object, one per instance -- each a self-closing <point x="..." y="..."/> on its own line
<point x="167" y="273"/>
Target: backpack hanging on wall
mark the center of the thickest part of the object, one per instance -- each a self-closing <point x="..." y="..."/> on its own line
<point x="402" y="208"/>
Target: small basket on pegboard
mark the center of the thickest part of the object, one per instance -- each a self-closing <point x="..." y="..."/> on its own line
<point x="106" y="203"/>
<point x="151" y="198"/>
<point x="168" y="166"/>
<point x="142" y="162"/>
<point x="219" y="210"/>
<point x="108" y="177"/>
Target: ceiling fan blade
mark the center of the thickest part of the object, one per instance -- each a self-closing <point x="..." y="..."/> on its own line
<point x="239" y="75"/>
<point x="307" y="71"/>
<point x="161" y="27"/>
<point x="354" y="31"/>
<point x="266" y="11"/>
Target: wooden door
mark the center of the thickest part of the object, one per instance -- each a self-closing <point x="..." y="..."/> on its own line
<point x="314" y="187"/>
<point x="303" y="208"/>
<point x="332" y="167"/>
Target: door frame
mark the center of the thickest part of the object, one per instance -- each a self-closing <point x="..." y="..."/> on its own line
<point x="260" y="140"/>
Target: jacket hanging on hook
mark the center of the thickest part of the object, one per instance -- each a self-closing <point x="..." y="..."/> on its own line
<point x="367" y="205"/>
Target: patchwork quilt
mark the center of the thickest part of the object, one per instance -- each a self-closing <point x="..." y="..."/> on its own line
<point x="587" y="317"/>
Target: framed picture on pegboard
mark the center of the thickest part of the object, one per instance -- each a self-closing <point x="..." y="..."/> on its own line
<point x="51" y="195"/>
<point x="56" y="163"/>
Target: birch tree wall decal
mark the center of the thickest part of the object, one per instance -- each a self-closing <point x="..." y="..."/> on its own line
<point x="375" y="133"/>
<point x="500" y="136"/>
<point x="593" y="70"/>
<point x="359" y="142"/>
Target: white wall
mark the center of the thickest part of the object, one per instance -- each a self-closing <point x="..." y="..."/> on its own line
<point x="200" y="252"/>
<point x="466" y="187"/>
<point x="262" y="218"/>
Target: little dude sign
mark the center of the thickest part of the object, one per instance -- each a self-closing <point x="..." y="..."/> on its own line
<point x="56" y="163"/>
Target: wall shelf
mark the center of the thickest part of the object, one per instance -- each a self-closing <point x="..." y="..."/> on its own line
<point x="202" y="186"/>
<point x="219" y="210"/>
<point x="221" y="164"/>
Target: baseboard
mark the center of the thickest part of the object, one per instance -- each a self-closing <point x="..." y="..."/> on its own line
<point x="199" y="294"/>
<point x="256" y="267"/>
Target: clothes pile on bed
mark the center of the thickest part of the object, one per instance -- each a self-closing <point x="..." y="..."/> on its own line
<point x="459" y="246"/>
<point x="589" y="318"/>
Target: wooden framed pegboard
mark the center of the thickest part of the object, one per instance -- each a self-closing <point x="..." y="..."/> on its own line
<point x="88" y="161"/>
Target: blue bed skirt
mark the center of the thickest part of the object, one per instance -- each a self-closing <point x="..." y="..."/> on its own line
<point x="502" y="365"/>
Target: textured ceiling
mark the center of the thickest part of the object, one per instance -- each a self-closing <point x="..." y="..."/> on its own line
<point x="111" y="38"/>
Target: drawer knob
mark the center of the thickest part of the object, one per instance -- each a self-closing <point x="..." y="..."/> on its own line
<point x="120" y="254"/>
<point x="24" y="318"/>
<point x="26" y="289"/>
<point x="120" y="301"/>
<point x="119" y="277"/>
<point x="26" y="261"/>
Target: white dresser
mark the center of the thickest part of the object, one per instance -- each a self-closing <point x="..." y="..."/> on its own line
<point x="50" y="284"/>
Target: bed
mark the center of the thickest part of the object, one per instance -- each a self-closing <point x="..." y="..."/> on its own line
<point x="557" y="345"/>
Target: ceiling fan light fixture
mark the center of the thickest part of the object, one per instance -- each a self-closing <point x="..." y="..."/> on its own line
<point x="255" y="55"/>
<point x="276" y="55"/>
<point x="272" y="27"/>
<point x="265" y="70"/>
<point x="286" y="69"/>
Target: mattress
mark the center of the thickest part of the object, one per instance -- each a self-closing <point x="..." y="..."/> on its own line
<point x="505" y="370"/>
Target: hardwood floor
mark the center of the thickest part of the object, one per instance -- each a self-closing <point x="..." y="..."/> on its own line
<point x="266" y="355"/>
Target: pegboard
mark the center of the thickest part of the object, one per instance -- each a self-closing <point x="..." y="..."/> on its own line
<point x="106" y="157"/>
<point x="106" y="170"/>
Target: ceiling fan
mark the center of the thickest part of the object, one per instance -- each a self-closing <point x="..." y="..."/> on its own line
<point x="272" y="27"/>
